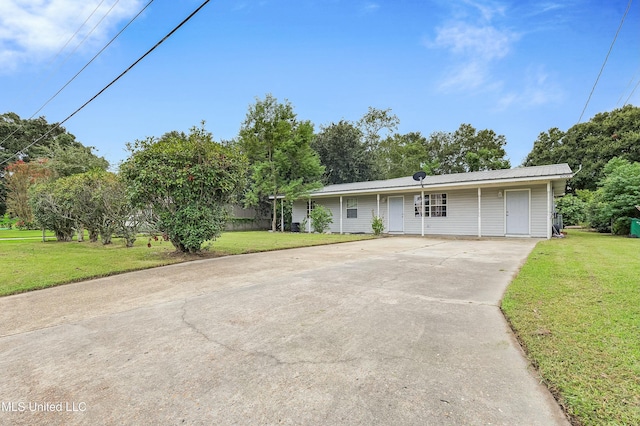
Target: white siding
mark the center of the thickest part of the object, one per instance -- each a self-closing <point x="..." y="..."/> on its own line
<point x="539" y="211"/>
<point x="492" y="212"/>
<point x="461" y="219"/>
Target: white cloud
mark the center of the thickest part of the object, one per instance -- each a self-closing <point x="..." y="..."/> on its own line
<point x="371" y="7"/>
<point x="474" y="49"/>
<point x="487" y="9"/>
<point x="480" y="42"/>
<point x="35" y="30"/>
<point x="536" y="89"/>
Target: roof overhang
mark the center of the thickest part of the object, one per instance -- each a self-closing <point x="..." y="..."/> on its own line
<point x="558" y="181"/>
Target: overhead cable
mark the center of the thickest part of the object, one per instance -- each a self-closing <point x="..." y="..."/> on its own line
<point x="605" y="60"/>
<point x="111" y="83"/>
<point x="78" y="73"/>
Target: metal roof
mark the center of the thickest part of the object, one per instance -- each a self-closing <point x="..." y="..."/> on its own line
<point x="490" y="177"/>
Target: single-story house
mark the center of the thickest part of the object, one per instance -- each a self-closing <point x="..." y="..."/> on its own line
<point x="497" y="203"/>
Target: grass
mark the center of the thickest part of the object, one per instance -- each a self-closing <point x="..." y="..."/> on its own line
<point x="17" y="233"/>
<point x="575" y="306"/>
<point x="32" y="264"/>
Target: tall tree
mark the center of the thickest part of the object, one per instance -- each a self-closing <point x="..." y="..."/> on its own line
<point x="466" y="150"/>
<point x="73" y="159"/>
<point x="343" y="153"/>
<point x="590" y="145"/>
<point x="402" y="155"/>
<point x="376" y="125"/>
<point x="278" y="148"/>
<point x="16" y="143"/>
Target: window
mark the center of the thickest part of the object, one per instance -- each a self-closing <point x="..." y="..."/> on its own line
<point x="435" y="205"/>
<point x="438" y="205"/>
<point x="310" y="206"/>
<point x="352" y="208"/>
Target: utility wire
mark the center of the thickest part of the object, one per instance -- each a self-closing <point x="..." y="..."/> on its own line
<point x="78" y="73"/>
<point x="76" y="33"/>
<point x="631" y="94"/>
<point x="605" y="61"/>
<point x="92" y="59"/>
<point x="64" y="61"/>
<point x="112" y="81"/>
<point x="636" y="76"/>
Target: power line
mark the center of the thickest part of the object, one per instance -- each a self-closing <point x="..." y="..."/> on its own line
<point x="631" y="94"/>
<point x="111" y="83"/>
<point x="86" y="65"/>
<point x="76" y="33"/>
<point x="82" y="69"/>
<point x="605" y="60"/>
<point x="64" y="61"/>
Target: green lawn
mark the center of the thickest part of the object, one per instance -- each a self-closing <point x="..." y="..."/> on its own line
<point x="17" y="233"/>
<point x="32" y="264"/>
<point x="575" y="306"/>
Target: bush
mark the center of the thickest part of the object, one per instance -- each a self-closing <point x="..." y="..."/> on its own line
<point x="572" y="208"/>
<point x="6" y="221"/>
<point x="321" y="217"/>
<point x="377" y="224"/>
<point x="621" y="226"/>
<point x="185" y="183"/>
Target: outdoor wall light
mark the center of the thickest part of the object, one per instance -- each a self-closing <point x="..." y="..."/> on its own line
<point x="499" y="194"/>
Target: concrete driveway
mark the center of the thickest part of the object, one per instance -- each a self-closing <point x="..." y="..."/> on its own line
<point x="389" y="331"/>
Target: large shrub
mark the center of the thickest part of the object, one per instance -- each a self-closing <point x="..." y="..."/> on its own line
<point x="572" y="208"/>
<point x="321" y="218"/>
<point x="184" y="182"/>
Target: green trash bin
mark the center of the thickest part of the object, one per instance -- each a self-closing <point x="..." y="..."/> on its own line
<point x="635" y="227"/>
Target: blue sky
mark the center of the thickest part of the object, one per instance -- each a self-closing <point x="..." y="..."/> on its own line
<point x="516" y="67"/>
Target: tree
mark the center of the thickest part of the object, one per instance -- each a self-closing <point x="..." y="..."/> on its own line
<point x="343" y="153"/>
<point x="53" y="210"/>
<point x="613" y="203"/>
<point x="590" y="145"/>
<point x="186" y="183"/>
<point x="465" y="150"/>
<point x="278" y="148"/>
<point x="372" y="123"/>
<point x="17" y="136"/>
<point x="468" y="150"/>
<point x="403" y="155"/>
<point x="19" y="177"/>
<point x="73" y="159"/>
<point x="99" y="203"/>
<point x="572" y="208"/>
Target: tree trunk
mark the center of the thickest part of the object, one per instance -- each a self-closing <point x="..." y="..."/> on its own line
<point x="80" y="233"/>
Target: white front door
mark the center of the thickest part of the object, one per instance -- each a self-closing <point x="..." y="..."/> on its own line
<point x="517" y="212"/>
<point x="396" y="214"/>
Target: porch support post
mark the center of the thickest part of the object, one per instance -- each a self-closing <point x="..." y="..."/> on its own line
<point x="309" y="216"/>
<point x="422" y="210"/>
<point x="479" y="212"/>
<point x="378" y="199"/>
<point x="341" y="215"/>
<point x="282" y="215"/>
<point x="549" y="210"/>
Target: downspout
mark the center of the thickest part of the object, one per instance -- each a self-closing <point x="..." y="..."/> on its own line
<point x="479" y="212"/>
